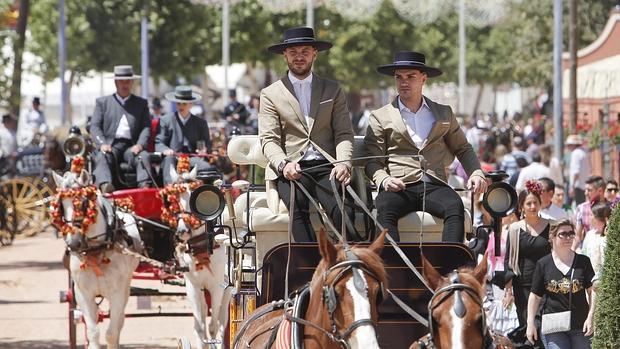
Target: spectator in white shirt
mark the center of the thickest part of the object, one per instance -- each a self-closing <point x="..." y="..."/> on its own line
<point x="579" y="168"/>
<point x="533" y="171"/>
<point x="548" y="209"/>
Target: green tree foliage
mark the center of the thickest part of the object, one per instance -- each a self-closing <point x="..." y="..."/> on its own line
<point x="607" y="316"/>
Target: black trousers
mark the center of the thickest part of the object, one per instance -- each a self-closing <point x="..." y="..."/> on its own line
<point x="317" y="182"/>
<point x="104" y="162"/>
<point x="441" y="201"/>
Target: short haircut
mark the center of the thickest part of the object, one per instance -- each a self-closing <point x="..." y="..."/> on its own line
<point x="554" y="226"/>
<point x="601" y="211"/>
<point x="547" y="183"/>
<point x="612" y="181"/>
<point x="596" y="181"/>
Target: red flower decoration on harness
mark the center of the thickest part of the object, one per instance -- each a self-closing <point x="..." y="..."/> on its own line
<point x="87" y="215"/>
<point x="77" y="164"/>
<point x="183" y="164"/>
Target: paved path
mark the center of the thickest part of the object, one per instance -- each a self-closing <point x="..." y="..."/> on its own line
<point x="31" y="276"/>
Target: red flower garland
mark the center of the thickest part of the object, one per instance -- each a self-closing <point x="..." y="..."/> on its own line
<point x="170" y="194"/>
<point x="77" y="195"/>
<point x="77" y="164"/>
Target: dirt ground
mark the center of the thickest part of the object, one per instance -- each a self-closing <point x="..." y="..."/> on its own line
<point x="31" y="316"/>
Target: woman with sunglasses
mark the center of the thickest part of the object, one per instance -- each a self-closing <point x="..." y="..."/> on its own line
<point x="528" y="241"/>
<point x="563" y="277"/>
<point x="611" y="190"/>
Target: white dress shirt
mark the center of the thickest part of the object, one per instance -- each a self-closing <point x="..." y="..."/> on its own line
<point x="303" y="91"/>
<point x="419" y="124"/>
<point x="123" y="131"/>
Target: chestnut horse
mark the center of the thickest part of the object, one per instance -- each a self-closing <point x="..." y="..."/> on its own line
<point x="346" y="289"/>
<point x="455" y="314"/>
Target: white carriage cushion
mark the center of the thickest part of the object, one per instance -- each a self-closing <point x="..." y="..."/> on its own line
<point x="269" y="214"/>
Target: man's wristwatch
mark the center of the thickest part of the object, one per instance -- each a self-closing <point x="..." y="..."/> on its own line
<point x="281" y="165"/>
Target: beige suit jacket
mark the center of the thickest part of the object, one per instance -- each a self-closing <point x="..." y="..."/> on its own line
<point x="284" y="132"/>
<point x="387" y="135"/>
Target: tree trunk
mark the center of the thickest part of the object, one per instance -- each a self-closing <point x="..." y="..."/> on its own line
<point x="572" y="48"/>
<point x="18" y="49"/>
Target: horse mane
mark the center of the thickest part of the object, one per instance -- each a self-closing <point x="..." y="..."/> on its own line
<point x="370" y="259"/>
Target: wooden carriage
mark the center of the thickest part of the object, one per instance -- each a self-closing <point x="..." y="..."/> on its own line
<point x="260" y="264"/>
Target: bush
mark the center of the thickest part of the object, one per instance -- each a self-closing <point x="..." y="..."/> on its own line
<point x="607" y="315"/>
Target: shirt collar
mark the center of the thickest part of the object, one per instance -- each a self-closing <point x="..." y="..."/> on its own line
<point x="184" y="120"/>
<point x="306" y="80"/>
<point x="121" y="98"/>
<point x="403" y="107"/>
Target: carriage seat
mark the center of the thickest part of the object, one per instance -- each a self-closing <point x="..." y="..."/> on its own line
<point x="268" y="216"/>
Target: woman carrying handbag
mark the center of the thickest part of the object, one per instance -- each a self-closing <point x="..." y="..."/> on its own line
<point x="565" y="279"/>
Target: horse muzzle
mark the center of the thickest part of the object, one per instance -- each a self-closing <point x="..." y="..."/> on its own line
<point x="75" y="242"/>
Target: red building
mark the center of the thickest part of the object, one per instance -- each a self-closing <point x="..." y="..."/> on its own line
<point x="598" y="97"/>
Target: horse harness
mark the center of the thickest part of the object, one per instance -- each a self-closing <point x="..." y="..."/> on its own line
<point x="329" y="296"/>
<point x="456" y="288"/>
<point x="114" y="232"/>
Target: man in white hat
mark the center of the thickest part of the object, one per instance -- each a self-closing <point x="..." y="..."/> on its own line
<point x="579" y="168"/>
<point x="183" y="132"/>
<point x="413" y="140"/>
<point x="120" y="130"/>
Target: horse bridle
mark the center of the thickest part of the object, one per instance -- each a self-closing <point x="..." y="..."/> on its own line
<point x="455" y="287"/>
<point x="330" y="298"/>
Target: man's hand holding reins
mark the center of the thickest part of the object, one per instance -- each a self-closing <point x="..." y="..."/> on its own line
<point x="393" y="184"/>
<point x="292" y="171"/>
<point x="342" y="173"/>
<point x="478" y="184"/>
<point x="106" y="148"/>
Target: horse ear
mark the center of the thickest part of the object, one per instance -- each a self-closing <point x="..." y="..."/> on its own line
<point x="430" y="273"/>
<point x="327" y="249"/>
<point x="57" y="179"/>
<point x="84" y="178"/>
<point x="377" y="245"/>
<point x="174" y="176"/>
<point x="193" y="173"/>
<point x="480" y="272"/>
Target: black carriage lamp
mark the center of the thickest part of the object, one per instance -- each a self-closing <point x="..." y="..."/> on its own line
<point x="500" y="200"/>
<point x="75" y="144"/>
<point x="207" y="202"/>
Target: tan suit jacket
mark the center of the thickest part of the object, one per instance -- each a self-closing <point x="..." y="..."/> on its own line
<point x="284" y="132"/>
<point x="387" y="135"/>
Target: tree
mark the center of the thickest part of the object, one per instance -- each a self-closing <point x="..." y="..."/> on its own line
<point x="607" y="316"/>
<point x="18" y="50"/>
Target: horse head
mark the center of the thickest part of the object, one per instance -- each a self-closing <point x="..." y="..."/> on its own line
<point x="77" y="210"/>
<point x="186" y="181"/>
<point x="346" y="289"/>
<point x="456" y="316"/>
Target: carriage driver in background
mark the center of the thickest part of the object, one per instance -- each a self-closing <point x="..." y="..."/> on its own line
<point x="120" y="129"/>
<point x="413" y="124"/>
<point x="182" y="132"/>
<point x="303" y="122"/>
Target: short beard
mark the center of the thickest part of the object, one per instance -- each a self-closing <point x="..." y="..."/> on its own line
<point x="300" y="72"/>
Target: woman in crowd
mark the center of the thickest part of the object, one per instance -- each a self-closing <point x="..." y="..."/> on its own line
<point x="595" y="240"/>
<point x="528" y="241"/>
<point x="565" y="278"/>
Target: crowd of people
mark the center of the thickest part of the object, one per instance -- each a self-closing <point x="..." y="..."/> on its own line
<point x="552" y="244"/>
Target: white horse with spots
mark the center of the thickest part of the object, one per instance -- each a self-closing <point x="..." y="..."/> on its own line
<point x="105" y="272"/>
<point x="209" y="274"/>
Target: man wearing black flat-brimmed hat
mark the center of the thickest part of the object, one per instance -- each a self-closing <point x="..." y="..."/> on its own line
<point x="304" y="124"/>
<point x="413" y="124"/>
<point x="182" y="132"/>
<point x="120" y="129"/>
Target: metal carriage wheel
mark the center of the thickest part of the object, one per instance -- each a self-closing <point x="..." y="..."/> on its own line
<point x="29" y="195"/>
<point x="8" y="216"/>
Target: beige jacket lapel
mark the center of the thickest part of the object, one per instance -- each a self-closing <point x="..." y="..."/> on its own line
<point x="441" y="122"/>
<point x="315" y="99"/>
<point x="399" y="123"/>
<point x="289" y="94"/>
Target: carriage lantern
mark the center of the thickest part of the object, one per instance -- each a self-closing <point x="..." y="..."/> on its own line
<point x="207" y="202"/>
<point x="500" y="200"/>
<point x="75" y="144"/>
